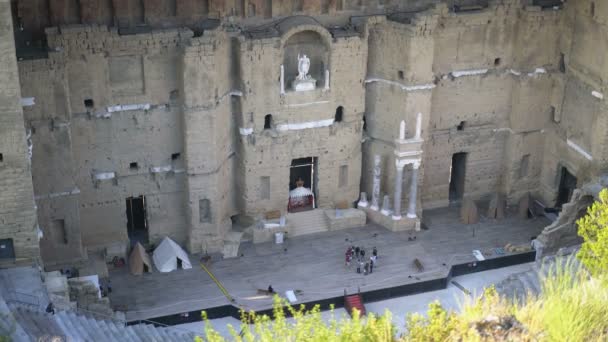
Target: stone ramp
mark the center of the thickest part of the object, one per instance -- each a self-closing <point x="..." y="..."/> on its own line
<point x="308" y="222"/>
<point x="73" y="326"/>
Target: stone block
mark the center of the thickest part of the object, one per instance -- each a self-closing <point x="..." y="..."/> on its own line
<point x="468" y="212"/>
<point x="345" y="218"/>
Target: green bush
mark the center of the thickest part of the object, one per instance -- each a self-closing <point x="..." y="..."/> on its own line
<point x="593" y="228"/>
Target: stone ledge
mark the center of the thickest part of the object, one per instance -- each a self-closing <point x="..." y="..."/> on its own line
<point x="345" y="218"/>
<point x="403" y="224"/>
<point x="267" y="234"/>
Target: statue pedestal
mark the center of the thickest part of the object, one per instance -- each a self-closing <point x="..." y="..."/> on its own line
<point x="304" y="85"/>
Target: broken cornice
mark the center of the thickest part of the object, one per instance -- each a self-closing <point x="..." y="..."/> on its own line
<point x="401" y="85"/>
<point x="245" y="131"/>
<point x="597" y="94"/>
<point x="28" y="101"/>
<point x="305" y="125"/>
<point x="579" y="149"/>
<point x="461" y="73"/>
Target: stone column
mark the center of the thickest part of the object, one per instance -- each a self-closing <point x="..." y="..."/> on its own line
<point x="376" y="189"/>
<point x="398" y="186"/>
<point x="418" y="125"/>
<point x="326" y="79"/>
<point x="411" y="211"/>
<point x="282" y="80"/>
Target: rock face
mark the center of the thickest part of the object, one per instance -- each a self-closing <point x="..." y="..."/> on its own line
<point x="563" y="231"/>
<point x="505" y="328"/>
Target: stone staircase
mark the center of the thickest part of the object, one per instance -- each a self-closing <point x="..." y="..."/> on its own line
<point x="518" y="286"/>
<point x="354" y="301"/>
<point x="73" y="326"/>
<point x="308" y="222"/>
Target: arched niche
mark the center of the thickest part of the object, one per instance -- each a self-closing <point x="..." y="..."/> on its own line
<point x="312" y="42"/>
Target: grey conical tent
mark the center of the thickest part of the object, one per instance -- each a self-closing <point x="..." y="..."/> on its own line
<point x="139" y="260"/>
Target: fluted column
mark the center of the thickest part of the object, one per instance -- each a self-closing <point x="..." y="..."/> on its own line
<point x="398" y="186"/>
<point x="376" y="189"/>
<point x="282" y="80"/>
<point x="411" y="211"/>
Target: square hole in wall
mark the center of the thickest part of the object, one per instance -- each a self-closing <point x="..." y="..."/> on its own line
<point x="88" y="103"/>
<point x="461" y="125"/>
<point x="497" y="61"/>
<point x="133" y="166"/>
<point x="552" y="113"/>
<point x="401" y="75"/>
<point x="175" y="156"/>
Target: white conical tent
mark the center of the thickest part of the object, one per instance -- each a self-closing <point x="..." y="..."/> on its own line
<point x="166" y="255"/>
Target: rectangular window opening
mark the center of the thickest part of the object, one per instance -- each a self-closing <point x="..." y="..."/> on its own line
<point x="172" y="8"/>
<point x="175" y="156"/>
<point x="265" y="187"/>
<point x="58" y="232"/>
<point x="204" y="211"/>
<point x="343" y="177"/>
<point x="1" y="157"/>
<point x="524" y="165"/>
<point x="89" y="104"/>
<point x="133" y="166"/>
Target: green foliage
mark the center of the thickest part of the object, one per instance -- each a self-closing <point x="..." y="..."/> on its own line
<point x="593" y="228"/>
<point x="436" y="326"/>
<point x="305" y="325"/>
<point x="572" y="307"/>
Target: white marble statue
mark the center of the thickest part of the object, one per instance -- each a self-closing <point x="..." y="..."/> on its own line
<point x="303" y="68"/>
<point x="304" y="81"/>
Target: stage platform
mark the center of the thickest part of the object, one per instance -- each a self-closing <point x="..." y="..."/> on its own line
<point x="314" y="265"/>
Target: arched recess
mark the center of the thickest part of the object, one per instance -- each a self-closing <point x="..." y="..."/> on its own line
<point x="314" y="42"/>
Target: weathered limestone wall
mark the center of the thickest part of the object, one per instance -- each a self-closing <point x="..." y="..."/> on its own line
<point x="74" y="144"/>
<point x="514" y="86"/>
<point x="17" y="210"/>
<point x="507" y="58"/>
<point x="399" y="85"/>
<point x="208" y="136"/>
<point x="269" y="152"/>
<point x="576" y="138"/>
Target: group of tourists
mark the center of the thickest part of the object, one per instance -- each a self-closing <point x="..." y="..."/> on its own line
<point x="357" y="254"/>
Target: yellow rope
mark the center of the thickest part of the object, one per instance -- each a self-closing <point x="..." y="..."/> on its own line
<point x="217" y="282"/>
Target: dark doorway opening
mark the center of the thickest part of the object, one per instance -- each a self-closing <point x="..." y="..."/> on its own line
<point x="268" y="121"/>
<point x="7" y="251"/>
<point x="303" y="172"/>
<point x="457" y="176"/>
<point x="137" y="225"/>
<point x="339" y="114"/>
<point x="567" y="184"/>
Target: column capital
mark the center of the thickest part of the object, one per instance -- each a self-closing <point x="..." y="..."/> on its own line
<point x="400" y="163"/>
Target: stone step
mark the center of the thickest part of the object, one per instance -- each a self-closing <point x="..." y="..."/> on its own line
<point x="78" y="327"/>
<point x="308" y="222"/>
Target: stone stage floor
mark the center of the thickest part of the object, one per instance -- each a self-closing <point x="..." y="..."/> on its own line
<point x="314" y="264"/>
